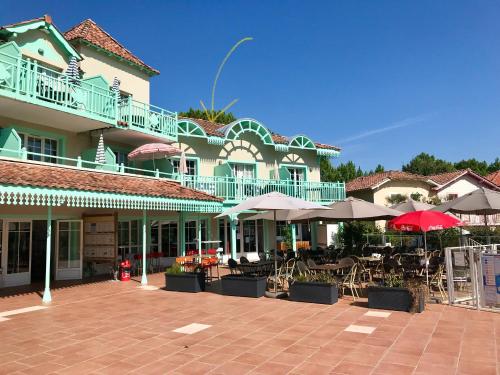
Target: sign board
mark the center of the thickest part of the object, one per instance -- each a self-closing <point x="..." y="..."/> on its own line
<point x="491" y="278"/>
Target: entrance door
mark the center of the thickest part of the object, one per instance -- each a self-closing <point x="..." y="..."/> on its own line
<point x="16" y="252"/>
<point x="168" y="238"/>
<point x="69" y="244"/>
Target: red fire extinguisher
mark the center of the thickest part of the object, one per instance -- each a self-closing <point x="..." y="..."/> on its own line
<point x="124" y="271"/>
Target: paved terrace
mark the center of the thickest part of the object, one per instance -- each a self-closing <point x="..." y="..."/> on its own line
<point x="116" y="328"/>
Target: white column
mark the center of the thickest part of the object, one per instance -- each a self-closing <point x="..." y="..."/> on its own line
<point x="144" y="278"/>
<point x="294" y="238"/>
<point x="199" y="235"/>
<point x="47" y="298"/>
<point x="233" y="223"/>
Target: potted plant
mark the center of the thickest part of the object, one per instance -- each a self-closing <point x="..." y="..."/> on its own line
<point x="397" y="294"/>
<point x="314" y="288"/>
<point x="177" y="280"/>
<point x="243" y="285"/>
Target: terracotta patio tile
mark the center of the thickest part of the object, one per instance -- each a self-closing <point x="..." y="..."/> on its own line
<point x="310" y="368"/>
<point x="476" y="368"/>
<point x="393" y="369"/>
<point x="233" y="368"/>
<point x="350" y="368"/>
<point x="274" y="368"/>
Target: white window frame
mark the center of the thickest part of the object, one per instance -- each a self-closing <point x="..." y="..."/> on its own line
<point x="44" y="157"/>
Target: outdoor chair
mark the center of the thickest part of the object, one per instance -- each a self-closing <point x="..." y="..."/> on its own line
<point x="364" y="273"/>
<point x="233" y="266"/>
<point x="349" y="281"/>
<point x="302" y="269"/>
<point x="244" y="260"/>
<point x="311" y="263"/>
<point x="437" y="281"/>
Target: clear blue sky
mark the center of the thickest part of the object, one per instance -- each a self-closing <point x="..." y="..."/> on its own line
<point x="383" y="79"/>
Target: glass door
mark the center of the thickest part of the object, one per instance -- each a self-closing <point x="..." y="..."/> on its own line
<point x="16" y="254"/>
<point x="297" y="175"/>
<point x="244" y="177"/>
<point x="69" y="244"/>
<point x="168" y="238"/>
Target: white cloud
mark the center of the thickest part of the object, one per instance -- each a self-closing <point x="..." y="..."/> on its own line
<point x="397" y="125"/>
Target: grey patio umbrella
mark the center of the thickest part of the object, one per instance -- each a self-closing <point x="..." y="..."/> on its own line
<point x="274" y="202"/>
<point x="351" y="209"/>
<point x="482" y="201"/>
<point x="411" y="205"/>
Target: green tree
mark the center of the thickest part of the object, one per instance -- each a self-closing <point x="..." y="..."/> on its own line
<point x="494" y="166"/>
<point x="222" y="118"/>
<point x="480" y="167"/>
<point x="426" y="165"/>
<point x="379" y="168"/>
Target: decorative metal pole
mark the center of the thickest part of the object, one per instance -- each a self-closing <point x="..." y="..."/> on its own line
<point x="47" y="298"/>
<point x="144" y="278"/>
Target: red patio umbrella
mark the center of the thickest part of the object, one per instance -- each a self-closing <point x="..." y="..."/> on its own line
<point x="424" y="221"/>
<point x="153" y="150"/>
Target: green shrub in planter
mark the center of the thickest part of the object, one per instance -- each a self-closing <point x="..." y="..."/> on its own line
<point x="176" y="280"/>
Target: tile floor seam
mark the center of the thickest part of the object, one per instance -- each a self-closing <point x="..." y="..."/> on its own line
<point x="428" y="341"/>
<point x="389" y="348"/>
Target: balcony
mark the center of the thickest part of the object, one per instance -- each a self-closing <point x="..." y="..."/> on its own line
<point x="90" y="98"/>
<point x="232" y="189"/>
<point x="236" y="189"/>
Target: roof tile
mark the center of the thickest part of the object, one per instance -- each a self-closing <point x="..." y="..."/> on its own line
<point x="58" y="177"/>
<point x="494" y="177"/>
<point x="89" y="31"/>
<point x="370" y="181"/>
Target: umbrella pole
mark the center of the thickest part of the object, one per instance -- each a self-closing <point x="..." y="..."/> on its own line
<point x="426" y="260"/>
<point x="275" y="255"/>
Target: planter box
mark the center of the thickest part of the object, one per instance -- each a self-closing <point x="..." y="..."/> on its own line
<point x="243" y="286"/>
<point x="185" y="282"/>
<point x="314" y="292"/>
<point x="398" y="299"/>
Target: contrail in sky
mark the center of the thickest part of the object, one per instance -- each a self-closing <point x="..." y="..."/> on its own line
<point x="397" y="125"/>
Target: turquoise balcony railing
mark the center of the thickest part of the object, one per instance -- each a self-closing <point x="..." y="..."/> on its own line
<point x="236" y="189"/>
<point x="26" y="80"/>
<point x="147" y="118"/>
<point x="231" y="189"/>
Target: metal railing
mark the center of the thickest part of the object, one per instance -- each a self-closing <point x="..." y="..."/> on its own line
<point x="231" y="189"/>
<point x="26" y="80"/>
<point x="147" y="118"/>
<point x="237" y="189"/>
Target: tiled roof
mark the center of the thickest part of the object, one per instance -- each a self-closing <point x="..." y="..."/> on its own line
<point x="214" y="129"/>
<point x="494" y="177"/>
<point x="57" y="177"/>
<point x="368" y="182"/>
<point x="444" y="178"/>
<point x="90" y="32"/>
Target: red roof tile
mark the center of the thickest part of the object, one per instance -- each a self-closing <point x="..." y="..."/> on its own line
<point x="90" y="32"/>
<point x="368" y="182"/>
<point x="444" y="178"/>
<point x="494" y="177"/>
<point x="57" y="177"/>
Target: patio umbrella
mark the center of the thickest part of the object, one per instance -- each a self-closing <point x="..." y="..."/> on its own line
<point x="182" y="166"/>
<point x="272" y="202"/>
<point x="72" y="70"/>
<point x="482" y="201"/>
<point x="351" y="209"/>
<point x="276" y="171"/>
<point x="100" y="155"/>
<point x="150" y="151"/>
<point x="115" y="87"/>
<point x="424" y="221"/>
<point x="411" y="205"/>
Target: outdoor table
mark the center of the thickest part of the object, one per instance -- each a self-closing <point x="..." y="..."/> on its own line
<point x="370" y="259"/>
